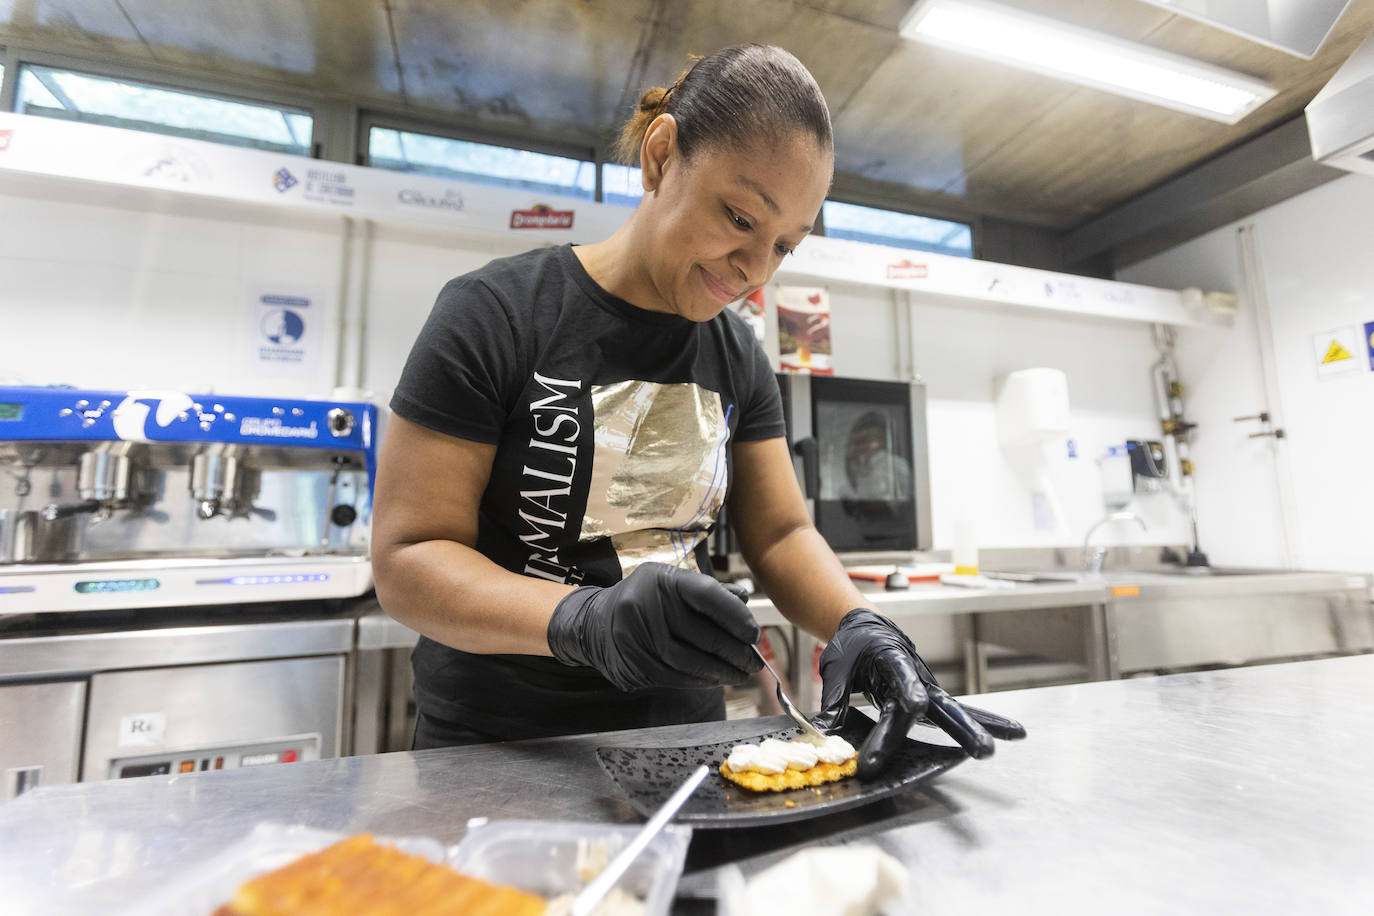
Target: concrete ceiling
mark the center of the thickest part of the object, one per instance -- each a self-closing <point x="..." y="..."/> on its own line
<point x="940" y="130"/>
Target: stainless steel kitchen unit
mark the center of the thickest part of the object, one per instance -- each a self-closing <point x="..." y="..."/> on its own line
<point x="212" y="717"/>
<point x="40" y="735"/>
<point x="171" y="699"/>
<point x="1160" y="621"/>
<point x="176" y="578"/>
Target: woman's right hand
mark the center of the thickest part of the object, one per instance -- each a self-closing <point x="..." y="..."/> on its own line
<point x="661" y="626"/>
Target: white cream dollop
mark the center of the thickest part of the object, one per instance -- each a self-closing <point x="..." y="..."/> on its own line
<point x="745" y="757"/>
<point x="775" y="756"/>
<point x="833" y="749"/>
<point x="799" y="756"/>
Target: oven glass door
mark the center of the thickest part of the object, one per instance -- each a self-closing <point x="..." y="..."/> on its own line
<point x="866" y="499"/>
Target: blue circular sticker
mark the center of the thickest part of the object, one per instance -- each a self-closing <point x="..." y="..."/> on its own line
<point x="283" y="326"/>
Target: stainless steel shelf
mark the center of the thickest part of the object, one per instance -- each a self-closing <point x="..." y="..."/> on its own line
<point x="47" y="656"/>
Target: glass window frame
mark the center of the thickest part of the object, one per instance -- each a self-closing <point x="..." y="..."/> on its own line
<point x="974" y="224"/>
<point x="369" y="119"/>
<point x="245" y="93"/>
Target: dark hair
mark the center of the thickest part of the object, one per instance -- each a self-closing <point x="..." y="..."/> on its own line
<point x="735" y="97"/>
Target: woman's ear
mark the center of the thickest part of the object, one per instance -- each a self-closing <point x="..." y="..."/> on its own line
<point x="658" y="150"/>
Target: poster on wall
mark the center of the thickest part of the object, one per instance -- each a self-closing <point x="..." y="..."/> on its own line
<point x="804" y="330"/>
<point x="1335" y="351"/>
<point x="751" y="309"/>
<point x="284" y="332"/>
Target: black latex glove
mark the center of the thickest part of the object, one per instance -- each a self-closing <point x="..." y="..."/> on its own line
<point x="661" y="626"/>
<point x="872" y="656"/>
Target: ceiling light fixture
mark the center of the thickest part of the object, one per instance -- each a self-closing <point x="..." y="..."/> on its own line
<point x="1052" y="48"/>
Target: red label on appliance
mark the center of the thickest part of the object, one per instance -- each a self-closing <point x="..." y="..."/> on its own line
<point x="541" y="216"/>
<point x="906" y="270"/>
<point x="5" y="136"/>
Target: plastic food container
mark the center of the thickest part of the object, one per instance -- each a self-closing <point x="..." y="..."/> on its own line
<point x="549" y="858"/>
<point x="207" y="885"/>
<point x="552" y="858"/>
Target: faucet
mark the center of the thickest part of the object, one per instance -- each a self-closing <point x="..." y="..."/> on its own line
<point x="1092" y="563"/>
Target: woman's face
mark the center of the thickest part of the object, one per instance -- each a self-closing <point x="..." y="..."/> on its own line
<point x="720" y="224"/>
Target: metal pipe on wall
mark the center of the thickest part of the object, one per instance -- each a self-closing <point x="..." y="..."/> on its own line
<point x="1253" y="275"/>
<point x="354" y="274"/>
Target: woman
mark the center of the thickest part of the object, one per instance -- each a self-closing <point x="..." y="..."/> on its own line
<point x="571" y="421"/>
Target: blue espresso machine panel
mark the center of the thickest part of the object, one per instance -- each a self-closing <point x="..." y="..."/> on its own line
<point x="70" y="414"/>
<point x="143" y="498"/>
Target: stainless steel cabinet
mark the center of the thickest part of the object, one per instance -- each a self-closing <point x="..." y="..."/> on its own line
<point x="40" y="734"/>
<point x="199" y="717"/>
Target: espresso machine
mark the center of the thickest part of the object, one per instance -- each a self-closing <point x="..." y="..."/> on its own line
<point x="122" y="499"/>
<point x="178" y="574"/>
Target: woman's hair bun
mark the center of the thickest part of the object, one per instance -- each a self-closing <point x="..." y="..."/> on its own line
<point x="733" y="97"/>
<point x="654" y="100"/>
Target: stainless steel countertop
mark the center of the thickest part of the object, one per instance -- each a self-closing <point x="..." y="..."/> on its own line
<point x="1245" y="790"/>
<point x="1230" y="583"/>
<point x="377" y="631"/>
<point x="932" y="598"/>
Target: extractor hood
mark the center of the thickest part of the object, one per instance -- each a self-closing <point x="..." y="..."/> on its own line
<point x="1340" y="120"/>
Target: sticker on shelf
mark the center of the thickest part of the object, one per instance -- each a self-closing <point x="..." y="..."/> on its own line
<point x="1369" y="342"/>
<point x="1335" y="351"/>
<point x="144" y="729"/>
<point x="541" y="216"/>
<point x="329" y="186"/>
<point x="5" y="137"/>
<point x="905" y="269"/>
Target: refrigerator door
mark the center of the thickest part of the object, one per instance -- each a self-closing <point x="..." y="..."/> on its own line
<point x="41" y="725"/>
<point x="169" y="720"/>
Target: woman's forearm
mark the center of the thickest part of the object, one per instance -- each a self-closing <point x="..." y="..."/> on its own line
<point x="805" y="581"/>
<point x="456" y="596"/>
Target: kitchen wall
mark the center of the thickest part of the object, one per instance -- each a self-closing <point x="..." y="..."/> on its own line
<point x="962" y="354"/>
<point x="100" y="290"/>
<point x="1304" y="499"/>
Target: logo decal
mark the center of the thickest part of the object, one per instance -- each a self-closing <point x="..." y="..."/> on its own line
<point x="906" y="270"/>
<point x="413" y="197"/>
<point x="541" y="216"/>
<point x="283" y="180"/>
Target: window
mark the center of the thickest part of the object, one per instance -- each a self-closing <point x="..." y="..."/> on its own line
<point x="76" y="96"/>
<point x="621" y="185"/>
<point x="900" y="230"/>
<point x="480" y="163"/>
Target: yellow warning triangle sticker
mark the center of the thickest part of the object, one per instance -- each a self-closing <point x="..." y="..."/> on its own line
<point x="1335" y="353"/>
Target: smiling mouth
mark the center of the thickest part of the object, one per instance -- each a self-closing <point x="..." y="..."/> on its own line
<point x="718" y="289"/>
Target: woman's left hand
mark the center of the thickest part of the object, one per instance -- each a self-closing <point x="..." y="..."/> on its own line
<point x="869" y="654"/>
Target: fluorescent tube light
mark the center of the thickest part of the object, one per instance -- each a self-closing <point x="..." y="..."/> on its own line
<point x="1052" y="48"/>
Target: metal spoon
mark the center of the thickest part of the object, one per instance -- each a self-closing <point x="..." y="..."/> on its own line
<point x="786" y="702"/>
<point x="601" y="885"/>
<point x="783" y="699"/>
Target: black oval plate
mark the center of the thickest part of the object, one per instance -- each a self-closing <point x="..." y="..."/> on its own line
<point x="647" y="776"/>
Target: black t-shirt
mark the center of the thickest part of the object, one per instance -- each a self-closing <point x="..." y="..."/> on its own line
<point x="613" y="427"/>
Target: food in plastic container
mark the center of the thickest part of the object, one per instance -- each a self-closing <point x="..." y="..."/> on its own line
<point x="552" y="859"/>
<point x="360" y="876"/>
<point x="204" y="886"/>
<point x="556" y="858"/>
